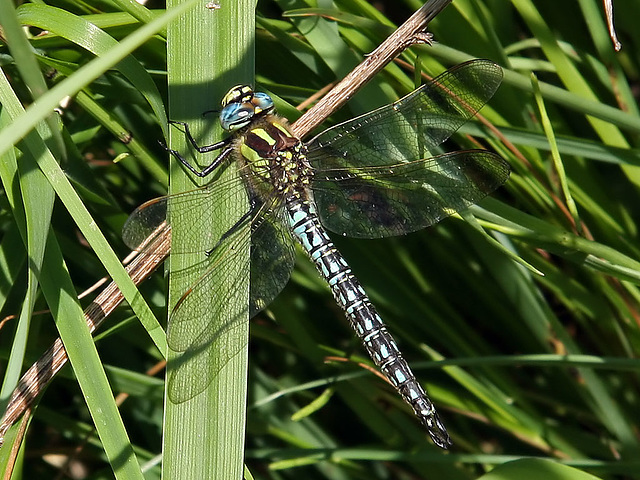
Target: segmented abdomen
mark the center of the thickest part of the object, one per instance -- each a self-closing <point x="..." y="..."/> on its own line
<point x="362" y="315"/>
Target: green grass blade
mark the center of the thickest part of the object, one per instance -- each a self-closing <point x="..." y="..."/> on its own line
<point x="26" y="62"/>
<point x="567" y="71"/>
<point x="508" y="385"/>
<point x="95" y="40"/>
<point x="83" y="219"/>
<point x="58" y="290"/>
<point x="206" y="433"/>
<point x="533" y="469"/>
<point x="44" y="105"/>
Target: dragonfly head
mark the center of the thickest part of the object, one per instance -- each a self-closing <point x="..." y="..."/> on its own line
<point x="241" y="104"/>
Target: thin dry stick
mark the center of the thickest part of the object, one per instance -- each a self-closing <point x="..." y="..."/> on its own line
<point x="608" y="9"/>
<point x="158" y="244"/>
<point x="409" y="33"/>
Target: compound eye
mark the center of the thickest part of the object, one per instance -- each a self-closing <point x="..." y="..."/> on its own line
<point x="262" y="102"/>
<point x="236" y="115"/>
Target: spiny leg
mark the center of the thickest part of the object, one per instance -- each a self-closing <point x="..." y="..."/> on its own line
<point x="203" y="148"/>
<point x="224" y="144"/>
<point x="247" y="216"/>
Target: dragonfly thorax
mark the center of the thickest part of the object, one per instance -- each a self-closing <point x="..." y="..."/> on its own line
<point x="274" y="158"/>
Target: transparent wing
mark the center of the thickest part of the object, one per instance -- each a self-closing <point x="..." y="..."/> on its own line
<point x="272" y="259"/>
<point x="144" y="222"/>
<point x="204" y="324"/>
<point x="410" y="128"/>
<point x="383" y="201"/>
<point x="146" y="218"/>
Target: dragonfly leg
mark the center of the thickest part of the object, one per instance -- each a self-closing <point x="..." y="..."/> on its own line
<point x="192" y="141"/>
<point x="225" y="144"/>
<point x="246" y="216"/>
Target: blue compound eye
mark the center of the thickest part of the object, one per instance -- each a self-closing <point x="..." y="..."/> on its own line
<point x="262" y="101"/>
<point x="236" y="115"/>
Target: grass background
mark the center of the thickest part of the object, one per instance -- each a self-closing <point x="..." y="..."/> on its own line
<point x="519" y="364"/>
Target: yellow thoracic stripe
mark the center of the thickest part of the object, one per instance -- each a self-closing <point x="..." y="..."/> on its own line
<point x="264" y="135"/>
<point x="282" y="128"/>
<point x="237" y="92"/>
<point x="249" y="153"/>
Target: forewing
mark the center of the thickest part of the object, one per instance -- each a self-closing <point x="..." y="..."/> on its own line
<point x="375" y="202"/>
<point x="144" y="222"/>
<point x="410" y="128"/>
<point x="272" y="259"/>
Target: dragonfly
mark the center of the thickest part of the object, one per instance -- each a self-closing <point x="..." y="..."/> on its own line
<point x="377" y="175"/>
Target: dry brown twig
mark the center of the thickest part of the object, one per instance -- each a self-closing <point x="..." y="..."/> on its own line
<point x="608" y="9"/>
